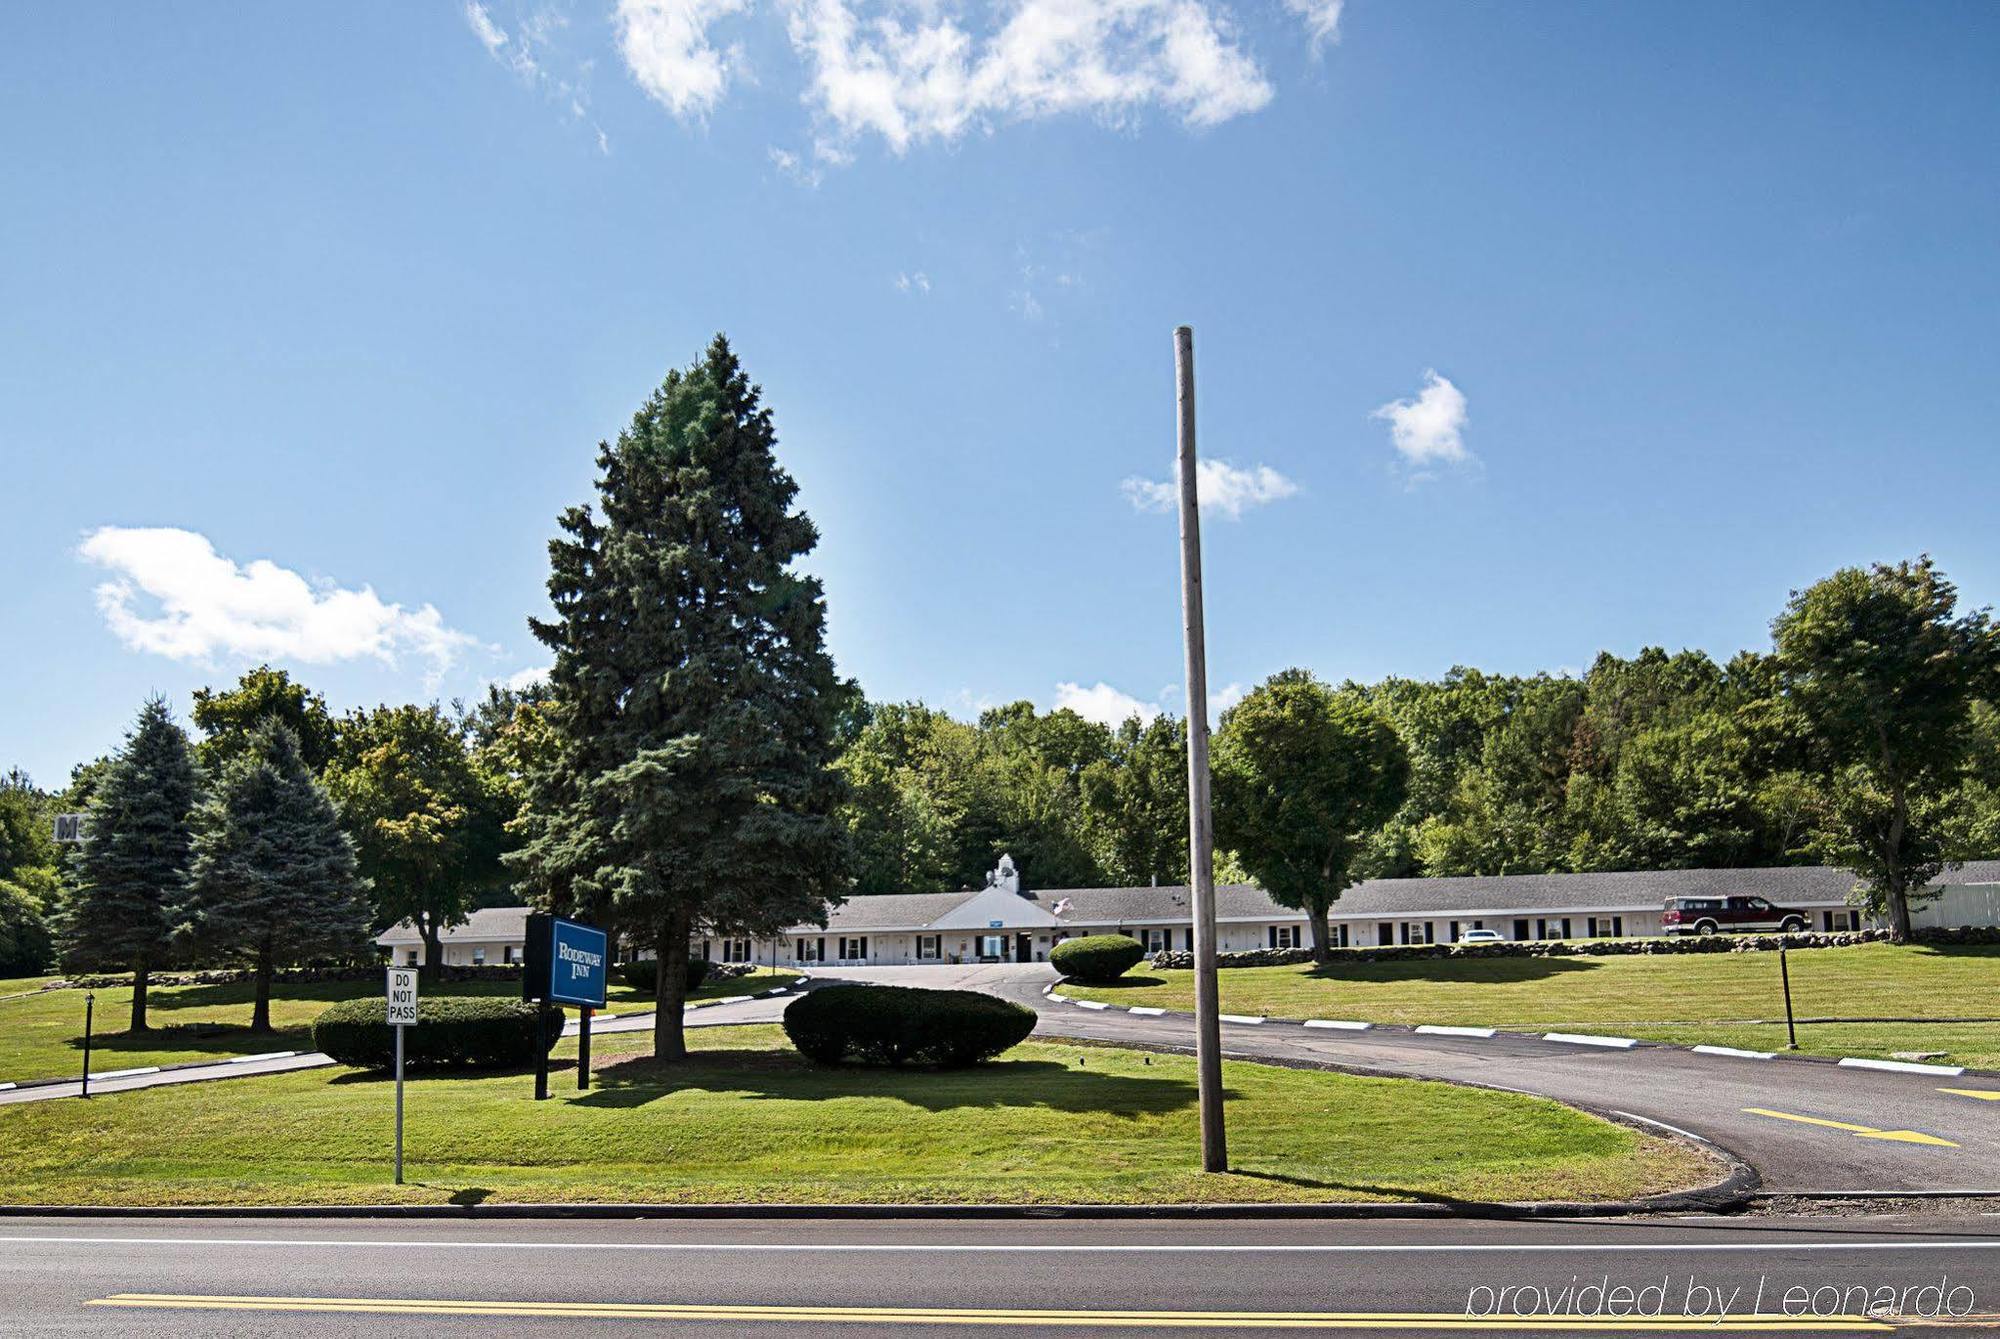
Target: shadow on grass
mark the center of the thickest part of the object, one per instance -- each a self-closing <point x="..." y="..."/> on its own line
<point x="1464" y="971"/>
<point x="205" y="1038"/>
<point x="785" y="1076"/>
<point x="1123" y="983"/>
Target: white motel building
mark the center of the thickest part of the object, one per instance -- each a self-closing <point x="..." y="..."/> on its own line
<point x="1004" y="922"/>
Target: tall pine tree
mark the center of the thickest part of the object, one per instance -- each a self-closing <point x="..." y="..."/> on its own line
<point x="133" y="869"/>
<point x="693" y="702"/>
<point x="274" y="878"/>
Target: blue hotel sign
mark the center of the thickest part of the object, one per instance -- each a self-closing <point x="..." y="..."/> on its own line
<point x="565" y="962"/>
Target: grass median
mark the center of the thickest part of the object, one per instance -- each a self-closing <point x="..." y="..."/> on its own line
<point x="1726" y="999"/>
<point x="41" y="1033"/>
<point x="747" y="1120"/>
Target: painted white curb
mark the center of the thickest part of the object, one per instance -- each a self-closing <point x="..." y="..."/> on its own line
<point x="1091" y="1004"/>
<point x="1060" y="999"/>
<point x="1902" y="1066"/>
<point x="776" y="990"/>
<point x="1049" y="989"/>
<point x="5" y="1086"/>
<point x="1583" y="1039"/>
<point x="1438" y="1030"/>
<point x="126" y="1073"/>
<point x="1734" y="1051"/>
<point x="1241" y="1018"/>
<point x="1146" y="1011"/>
<point x="1342" y="1024"/>
<point x="268" y="1055"/>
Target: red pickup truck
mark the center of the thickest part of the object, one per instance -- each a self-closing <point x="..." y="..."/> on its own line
<point x="1713" y="915"/>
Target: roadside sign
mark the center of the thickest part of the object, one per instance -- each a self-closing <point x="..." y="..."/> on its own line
<point x="69" y="827"/>
<point x="565" y="962"/>
<point x="402" y="1002"/>
<point x="402" y="996"/>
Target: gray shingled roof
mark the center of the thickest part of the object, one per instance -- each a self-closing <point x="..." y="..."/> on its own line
<point x="1644" y="890"/>
<point x="497" y="923"/>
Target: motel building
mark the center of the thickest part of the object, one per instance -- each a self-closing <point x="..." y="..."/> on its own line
<point x="1004" y="922"/>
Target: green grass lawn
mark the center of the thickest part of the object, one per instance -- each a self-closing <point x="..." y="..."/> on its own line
<point x="41" y="1035"/>
<point x="747" y="1120"/>
<point x="1709" y="997"/>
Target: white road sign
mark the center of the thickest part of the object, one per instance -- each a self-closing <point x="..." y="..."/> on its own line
<point x="402" y="996"/>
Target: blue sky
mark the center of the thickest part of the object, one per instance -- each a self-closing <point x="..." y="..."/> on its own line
<point x="345" y="295"/>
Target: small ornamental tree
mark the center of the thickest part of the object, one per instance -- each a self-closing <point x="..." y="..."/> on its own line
<point x="1096" y="958"/>
<point x="133" y="869"/>
<point x="1304" y="777"/>
<point x="274" y="878"/>
<point x="427" y="822"/>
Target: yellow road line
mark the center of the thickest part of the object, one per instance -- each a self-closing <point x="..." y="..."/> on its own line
<point x="1984" y="1094"/>
<point x="824" y="1315"/>
<point x="1858" y="1131"/>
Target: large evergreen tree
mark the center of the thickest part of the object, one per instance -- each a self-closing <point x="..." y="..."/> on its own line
<point x="693" y="704"/>
<point x="133" y="869"/>
<point x="274" y="878"/>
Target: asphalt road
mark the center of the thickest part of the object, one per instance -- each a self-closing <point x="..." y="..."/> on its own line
<point x="800" y="1277"/>
<point x="1804" y="1126"/>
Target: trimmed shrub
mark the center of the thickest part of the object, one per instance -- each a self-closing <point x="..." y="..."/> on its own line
<point x="903" y="1025"/>
<point x="644" y="974"/>
<point x="474" y="1033"/>
<point x="1097" y="958"/>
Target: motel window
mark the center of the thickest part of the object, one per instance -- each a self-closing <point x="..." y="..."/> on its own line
<point x="736" y="950"/>
<point x="930" y="948"/>
<point x="479" y="957"/>
<point x="411" y="961"/>
<point x="1284" y="936"/>
<point x="1842" y="920"/>
<point x="993" y="946"/>
<point x="853" y="948"/>
<point x="1157" y="941"/>
<point x="810" y="950"/>
<point x="1340" y="934"/>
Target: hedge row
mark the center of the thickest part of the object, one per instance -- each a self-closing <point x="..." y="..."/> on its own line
<point x="231" y="976"/>
<point x="903" y="1025"/>
<point x="1563" y="948"/>
<point x="472" y="1032"/>
<point x="644" y="974"/>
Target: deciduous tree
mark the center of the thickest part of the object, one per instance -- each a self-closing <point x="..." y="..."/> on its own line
<point x="1304" y="776"/>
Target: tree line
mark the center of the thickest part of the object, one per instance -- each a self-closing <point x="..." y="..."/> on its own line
<point x="694" y="763"/>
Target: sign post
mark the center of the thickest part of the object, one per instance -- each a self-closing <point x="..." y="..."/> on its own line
<point x="402" y="1000"/>
<point x="564" y="962"/>
<point x="89" y="1007"/>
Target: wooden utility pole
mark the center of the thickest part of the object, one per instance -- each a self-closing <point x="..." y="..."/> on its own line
<point x="1201" y="841"/>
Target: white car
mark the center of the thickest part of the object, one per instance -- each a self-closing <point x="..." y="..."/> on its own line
<point x="1481" y="937"/>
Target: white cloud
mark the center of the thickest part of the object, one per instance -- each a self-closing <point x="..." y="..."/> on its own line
<point x="913" y="283"/>
<point x="488" y="32"/>
<point x="532" y="677"/>
<point x="1220" y="486"/>
<point x="1322" y="19"/>
<point x="1102" y="703"/>
<point x="910" y="72"/>
<point x="1223" y="698"/>
<point x="666" y="46"/>
<point x="173" y="595"/>
<point x="531" y="51"/>
<point x="1428" y="431"/>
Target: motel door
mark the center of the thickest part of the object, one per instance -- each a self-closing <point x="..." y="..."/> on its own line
<point x="1024" y="948"/>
